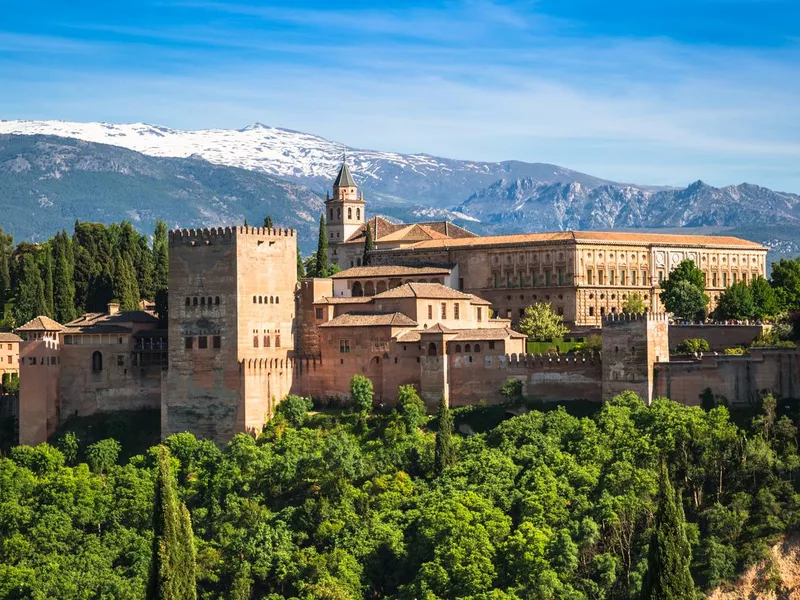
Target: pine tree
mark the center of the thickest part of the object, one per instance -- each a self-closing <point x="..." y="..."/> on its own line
<point x="322" y="268"/>
<point x="30" y="298"/>
<point x="301" y="271"/>
<point x="369" y="246"/>
<point x="47" y="278"/>
<point x="6" y="249"/>
<point x="160" y="258"/>
<point x="669" y="555"/>
<point x="63" y="283"/>
<point x="444" y="453"/>
<point x="268" y="222"/>
<point x="173" y="568"/>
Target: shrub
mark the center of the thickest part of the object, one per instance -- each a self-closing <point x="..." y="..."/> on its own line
<point x="411" y="407"/>
<point x="512" y="390"/>
<point x="593" y="343"/>
<point x="295" y="409"/>
<point x="693" y="345"/>
<point x="736" y="350"/>
<point x="10" y="384"/>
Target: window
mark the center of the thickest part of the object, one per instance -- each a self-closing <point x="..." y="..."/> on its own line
<point x="255" y="341"/>
<point x="120" y="360"/>
<point x="431" y="349"/>
<point x="188" y="301"/>
<point x="266" y="341"/>
<point x="491" y="345"/>
<point x="521" y="312"/>
<point x="261" y="300"/>
<point x="97" y="361"/>
<point x="633" y="278"/>
<point x="188" y="343"/>
<point x="216" y="301"/>
<point x="10" y="360"/>
<point x="331" y="215"/>
<point x="735" y="277"/>
<point x="561" y="310"/>
<point x="622" y="275"/>
<point x="458" y="349"/>
<point x="495" y="280"/>
<point x="713" y="280"/>
<point x="9" y="346"/>
<point x="444" y="310"/>
<point x="547" y="275"/>
<point x="318" y="313"/>
<point x="344" y="346"/>
<point x="644" y="277"/>
<point x="589" y="277"/>
<point x="480" y="314"/>
<point x="338" y="213"/>
<point x="456" y="311"/>
<point x="349" y="213"/>
<point x="430" y="311"/>
<point x="277" y="300"/>
<point x="216" y="342"/>
<point x="358" y="214"/>
<point x="602" y="310"/>
<point x="600" y="277"/>
<point x="277" y="341"/>
<point x="202" y="342"/>
<point x="477" y="347"/>
<point x="202" y="301"/>
<point x="255" y="299"/>
<point x="611" y="277"/>
<point x="725" y="280"/>
<point x="467" y="348"/>
<point x="660" y="276"/>
<point x="461" y="283"/>
<point x="591" y="311"/>
<point x="560" y="276"/>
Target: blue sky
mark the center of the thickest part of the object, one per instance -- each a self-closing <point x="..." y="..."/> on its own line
<point x="657" y="92"/>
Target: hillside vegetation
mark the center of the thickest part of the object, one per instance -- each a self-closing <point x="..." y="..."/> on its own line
<point x="544" y="505"/>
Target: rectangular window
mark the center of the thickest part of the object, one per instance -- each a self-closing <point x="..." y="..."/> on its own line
<point x="601" y="276"/>
<point x="461" y="283"/>
<point x="319" y="314"/>
<point x="444" y="310"/>
<point x="495" y="279"/>
<point x="188" y="343"/>
<point x="456" y="311"/>
<point x="734" y="276"/>
<point x="120" y="360"/>
<point x="644" y="277"/>
<point x="217" y="342"/>
<point x="430" y="311"/>
<point x="547" y="277"/>
<point x="508" y="314"/>
<point x="521" y="312"/>
<point x="622" y="275"/>
<point x="561" y="310"/>
<point x="633" y="278"/>
<point x="591" y="311"/>
<point x="344" y="346"/>
<point x="560" y="276"/>
<point x="9" y="346"/>
<point x="10" y="360"/>
<point x="589" y="278"/>
<point x="491" y="345"/>
<point x="725" y="280"/>
<point x="713" y="280"/>
<point x="660" y="276"/>
<point x="202" y="342"/>
<point x="480" y="314"/>
<point x="612" y="276"/>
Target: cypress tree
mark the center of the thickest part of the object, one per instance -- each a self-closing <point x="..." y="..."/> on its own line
<point x="322" y="268"/>
<point x="47" y="278"/>
<point x="126" y="288"/>
<point x="301" y="271"/>
<point x="63" y="283"/>
<point x="173" y="568"/>
<point x="160" y="257"/>
<point x="268" y="222"/>
<point x="6" y="248"/>
<point x="444" y="453"/>
<point x="144" y="269"/>
<point x="369" y="246"/>
<point x="30" y="298"/>
<point x="669" y="555"/>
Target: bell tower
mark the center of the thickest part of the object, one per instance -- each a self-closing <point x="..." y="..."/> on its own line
<point x="344" y="212"/>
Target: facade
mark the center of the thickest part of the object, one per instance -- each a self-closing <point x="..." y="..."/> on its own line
<point x="9" y="353"/>
<point x="434" y="309"/>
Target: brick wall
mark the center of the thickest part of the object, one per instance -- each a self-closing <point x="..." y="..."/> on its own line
<point x="718" y="337"/>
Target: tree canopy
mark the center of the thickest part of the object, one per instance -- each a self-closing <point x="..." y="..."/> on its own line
<point x="684" y="292"/>
<point x="540" y="322"/>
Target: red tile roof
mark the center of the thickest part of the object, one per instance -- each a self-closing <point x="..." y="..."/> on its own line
<point x="395" y="319"/>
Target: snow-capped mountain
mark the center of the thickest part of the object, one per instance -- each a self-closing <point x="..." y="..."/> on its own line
<point x="310" y="159"/>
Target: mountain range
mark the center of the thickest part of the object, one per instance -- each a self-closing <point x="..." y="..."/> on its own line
<point x="52" y="172"/>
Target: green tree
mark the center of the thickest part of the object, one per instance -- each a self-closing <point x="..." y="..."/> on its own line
<point x="692" y="345"/>
<point x="512" y="390"/>
<point x="369" y="246"/>
<point x="103" y="455"/>
<point x="686" y="301"/>
<point x="301" y="270"/>
<point x="268" y="222"/>
<point x="63" y="278"/>
<point x="765" y="301"/>
<point x="69" y="447"/>
<point x="411" y="407"/>
<point x="143" y="265"/>
<point x="362" y="393"/>
<point x="172" y="573"/>
<point x="785" y="280"/>
<point x="322" y="267"/>
<point x="47" y="279"/>
<point x="160" y="257"/>
<point x="735" y="302"/>
<point x="669" y="555"/>
<point x="6" y="250"/>
<point x="295" y="409"/>
<point x="30" y="301"/>
<point x="444" y="452"/>
<point x="126" y="288"/>
<point x="540" y="322"/>
<point x="634" y="304"/>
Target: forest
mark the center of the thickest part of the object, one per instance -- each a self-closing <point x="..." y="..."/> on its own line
<point x="68" y="276"/>
<point x="362" y="504"/>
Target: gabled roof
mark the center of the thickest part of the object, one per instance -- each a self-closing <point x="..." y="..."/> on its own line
<point x="344" y="179"/>
<point x="6" y="337"/>
<point x="424" y="290"/>
<point x="41" y="323"/>
<point x="438" y="328"/>
<point x="128" y="316"/>
<point x="394" y="319"/>
<point x="488" y="334"/>
<point x="382" y="229"/>
<point x="344" y="300"/>
<point x="389" y="271"/>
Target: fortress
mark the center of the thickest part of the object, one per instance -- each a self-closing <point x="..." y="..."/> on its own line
<point x="435" y="309"/>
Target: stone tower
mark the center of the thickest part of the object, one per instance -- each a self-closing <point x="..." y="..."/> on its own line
<point x="344" y="211"/>
<point x="231" y="318"/>
<point x="632" y="344"/>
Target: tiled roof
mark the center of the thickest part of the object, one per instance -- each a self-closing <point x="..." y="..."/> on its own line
<point x="344" y="179"/>
<point x="381" y="229"/>
<point x="590" y="236"/>
<point x="97" y="328"/>
<point x="131" y="316"/>
<point x="6" y="337"/>
<point x="389" y="271"/>
<point x="423" y="290"/>
<point x="438" y="328"/>
<point x="395" y="319"/>
<point x="344" y="300"/>
<point x="41" y="323"/>
<point x="488" y="334"/>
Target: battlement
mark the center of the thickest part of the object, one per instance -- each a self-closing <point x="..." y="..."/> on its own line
<point x="621" y="318"/>
<point x="530" y="361"/>
<point x="224" y="235"/>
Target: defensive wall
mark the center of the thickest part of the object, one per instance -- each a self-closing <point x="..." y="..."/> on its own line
<point x="718" y="335"/>
<point x="738" y="379"/>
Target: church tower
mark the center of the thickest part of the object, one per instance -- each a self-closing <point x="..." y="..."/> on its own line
<point x="344" y="211"/>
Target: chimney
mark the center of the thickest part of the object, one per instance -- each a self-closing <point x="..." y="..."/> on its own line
<point x="113" y="308"/>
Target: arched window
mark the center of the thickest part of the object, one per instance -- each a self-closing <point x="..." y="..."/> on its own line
<point x="255" y="341"/>
<point x="431" y="349"/>
<point x="458" y="348"/>
<point x="477" y="347"/>
<point x="357" y="289"/>
<point x="188" y="301"/>
<point x="209" y="301"/>
<point x="467" y="348"/>
<point x="369" y="289"/>
<point x="331" y="214"/>
<point x="216" y="300"/>
<point x="338" y="213"/>
<point x="271" y="300"/>
<point x="277" y="300"/>
<point x="358" y="214"/>
<point x="202" y="301"/>
<point x="277" y="341"/>
<point x="266" y="341"/>
<point x="261" y="300"/>
<point x="254" y="299"/>
<point x="349" y="213"/>
<point x="194" y="301"/>
<point x="97" y="361"/>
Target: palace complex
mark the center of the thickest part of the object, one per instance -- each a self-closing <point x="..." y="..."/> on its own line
<point x="435" y="308"/>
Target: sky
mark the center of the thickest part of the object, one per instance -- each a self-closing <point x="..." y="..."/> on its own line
<point x="659" y="92"/>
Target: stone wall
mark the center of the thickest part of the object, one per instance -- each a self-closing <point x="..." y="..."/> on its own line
<point x="739" y="379"/>
<point x="40" y="401"/>
<point x="718" y="337"/>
